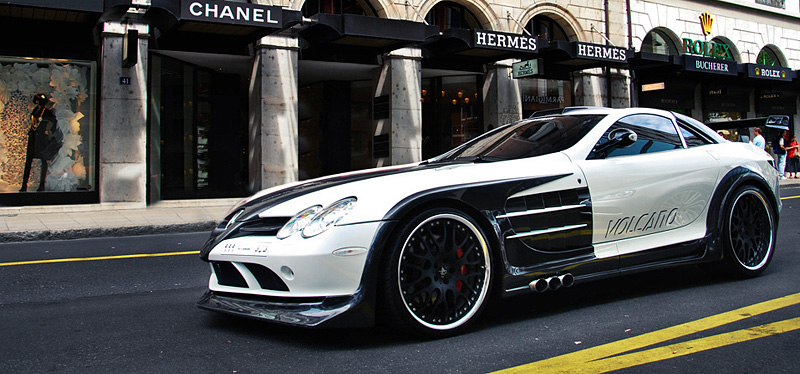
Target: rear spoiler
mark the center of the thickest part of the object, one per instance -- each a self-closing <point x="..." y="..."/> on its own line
<point x="779" y="122"/>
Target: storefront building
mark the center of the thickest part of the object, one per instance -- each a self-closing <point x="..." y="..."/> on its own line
<point x="152" y="100"/>
<point x="718" y="60"/>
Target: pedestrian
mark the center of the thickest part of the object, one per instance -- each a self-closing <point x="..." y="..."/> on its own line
<point x="779" y="146"/>
<point x="758" y="140"/>
<point x="793" y="159"/>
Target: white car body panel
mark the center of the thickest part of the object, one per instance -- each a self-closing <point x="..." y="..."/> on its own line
<point x="636" y="205"/>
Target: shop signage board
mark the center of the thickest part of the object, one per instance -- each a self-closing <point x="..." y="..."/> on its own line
<point x="232" y="13"/>
<point x="525" y="68"/>
<point x="709" y="65"/>
<point x="505" y="41"/>
<point x="707" y="49"/>
<point x="769" y="72"/>
<point x="600" y="52"/>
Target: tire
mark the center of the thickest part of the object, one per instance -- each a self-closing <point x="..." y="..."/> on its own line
<point x="750" y="232"/>
<point x="438" y="275"/>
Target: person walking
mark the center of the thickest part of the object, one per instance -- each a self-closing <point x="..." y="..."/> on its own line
<point x="792" y="159"/>
<point x="758" y="140"/>
<point x="779" y="146"/>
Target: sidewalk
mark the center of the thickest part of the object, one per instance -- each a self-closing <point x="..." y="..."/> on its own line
<point x="116" y="219"/>
<point x="122" y="219"/>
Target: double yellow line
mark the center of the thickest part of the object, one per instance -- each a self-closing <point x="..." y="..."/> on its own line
<point x="612" y="356"/>
<point x="80" y="259"/>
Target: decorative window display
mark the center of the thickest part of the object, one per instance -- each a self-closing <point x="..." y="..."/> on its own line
<point x="46" y="125"/>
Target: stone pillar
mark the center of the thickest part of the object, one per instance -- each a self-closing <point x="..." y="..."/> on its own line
<point x="620" y="88"/>
<point x="123" y="125"/>
<point x="273" y="113"/>
<point x="400" y="77"/>
<point x="502" y="101"/>
<point x="589" y="88"/>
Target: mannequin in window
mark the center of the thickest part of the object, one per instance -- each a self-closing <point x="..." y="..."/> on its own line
<point x="40" y="146"/>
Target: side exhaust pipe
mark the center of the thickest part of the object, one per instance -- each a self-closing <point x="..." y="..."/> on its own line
<point x="538" y="285"/>
<point x="552" y="283"/>
<point x="567" y="280"/>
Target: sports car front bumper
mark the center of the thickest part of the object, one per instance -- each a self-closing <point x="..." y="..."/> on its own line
<point x="308" y="313"/>
<point x="298" y="281"/>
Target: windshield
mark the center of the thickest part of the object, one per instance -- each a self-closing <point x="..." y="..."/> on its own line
<point x="527" y="138"/>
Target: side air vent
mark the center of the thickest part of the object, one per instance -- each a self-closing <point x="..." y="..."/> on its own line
<point x="551" y="222"/>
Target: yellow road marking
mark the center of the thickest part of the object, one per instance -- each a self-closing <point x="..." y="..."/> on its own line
<point x="586" y="358"/>
<point x="678" y="349"/>
<point x="78" y="259"/>
<point x="790" y="197"/>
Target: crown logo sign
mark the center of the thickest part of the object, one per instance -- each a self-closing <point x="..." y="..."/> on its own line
<point x="706" y="21"/>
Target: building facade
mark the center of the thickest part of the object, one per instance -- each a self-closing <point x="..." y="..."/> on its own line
<point x="152" y="100"/>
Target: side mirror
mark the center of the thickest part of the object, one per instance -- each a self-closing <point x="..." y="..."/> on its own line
<point x="619" y="138"/>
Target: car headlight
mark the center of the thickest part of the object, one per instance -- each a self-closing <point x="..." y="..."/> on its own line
<point x="316" y="220"/>
<point x="298" y="222"/>
<point x="328" y="217"/>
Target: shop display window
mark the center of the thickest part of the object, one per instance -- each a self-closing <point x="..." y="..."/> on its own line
<point x="47" y="125"/>
<point x="541" y="94"/>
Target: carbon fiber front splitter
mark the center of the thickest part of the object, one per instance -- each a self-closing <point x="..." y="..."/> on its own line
<point x="306" y="313"/>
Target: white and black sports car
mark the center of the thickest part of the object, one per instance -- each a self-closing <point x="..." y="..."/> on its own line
<point x="571" y="196"/>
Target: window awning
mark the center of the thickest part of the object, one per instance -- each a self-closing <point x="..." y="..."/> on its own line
<point x="470" y="49"/>
<point x="50" y="28"/>
<point x="562" y="57"/>
<point x="212" y="25"/>
<point x="356" y="38"/>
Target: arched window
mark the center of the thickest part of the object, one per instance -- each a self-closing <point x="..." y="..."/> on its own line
<point x="358" y="7"/>
<point x="449" y="15"/>
<point x="546" y="28"/>
<point x="659" y="42"/>
<point x="768" y="57"/>
<point x="732" y="53"/>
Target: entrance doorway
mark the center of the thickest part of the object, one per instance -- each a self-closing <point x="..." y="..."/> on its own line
<point x="452" y="112"/>
<point x="197" y="131"/>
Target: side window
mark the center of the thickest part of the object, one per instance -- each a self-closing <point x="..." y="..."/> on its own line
<point x="693" y="137"/>
<point x="654" y="134"/>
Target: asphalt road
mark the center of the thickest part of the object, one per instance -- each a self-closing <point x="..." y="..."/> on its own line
<point x="134" y="314"/>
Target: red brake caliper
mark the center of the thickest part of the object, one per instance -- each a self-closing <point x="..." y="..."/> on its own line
<point x="460" y="284"/>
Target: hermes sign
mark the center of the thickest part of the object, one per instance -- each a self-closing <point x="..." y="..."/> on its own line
<point x="601" y="52"/>
<point x="504" y="41"/>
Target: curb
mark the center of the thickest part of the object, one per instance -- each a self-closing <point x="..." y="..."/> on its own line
<point x="10" y="237"/>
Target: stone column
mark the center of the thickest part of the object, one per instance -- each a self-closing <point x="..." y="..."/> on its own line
<point x="589" y="88"/>
<point x="273" y="113"/>
<point x="502" y="101"/>
<point x="123" y="126"/>
<point x="400" y="77"/>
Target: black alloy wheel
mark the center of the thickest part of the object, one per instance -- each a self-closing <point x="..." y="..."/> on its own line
<point x="750" y="232"/>
<point x="440" y="273"/>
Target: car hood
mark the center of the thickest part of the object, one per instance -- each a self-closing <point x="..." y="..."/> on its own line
<point x="379" y="190"/>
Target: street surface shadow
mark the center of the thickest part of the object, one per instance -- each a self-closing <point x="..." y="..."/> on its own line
<point x="498" y="313"/>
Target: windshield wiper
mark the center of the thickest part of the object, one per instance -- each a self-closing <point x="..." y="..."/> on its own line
<point x="484" y="158"/>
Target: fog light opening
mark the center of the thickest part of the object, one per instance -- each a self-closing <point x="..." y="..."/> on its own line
<point x="287" y="272"/>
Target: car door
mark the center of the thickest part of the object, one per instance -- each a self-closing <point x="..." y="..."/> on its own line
<point x="652" y="193"/>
